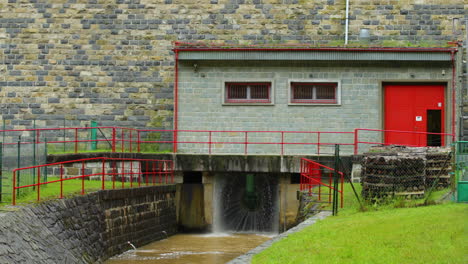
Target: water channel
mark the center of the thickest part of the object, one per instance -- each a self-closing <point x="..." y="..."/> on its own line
<point x="213" y="248"/>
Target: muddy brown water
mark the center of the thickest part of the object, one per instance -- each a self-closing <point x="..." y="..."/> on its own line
<point x="193" y="248"/>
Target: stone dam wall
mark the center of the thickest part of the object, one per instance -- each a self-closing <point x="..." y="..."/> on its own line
<point x="87" y="229"/>
<point x="59" y="58"/>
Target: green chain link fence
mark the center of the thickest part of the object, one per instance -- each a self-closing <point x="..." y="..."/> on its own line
<point x="461" y="171"/>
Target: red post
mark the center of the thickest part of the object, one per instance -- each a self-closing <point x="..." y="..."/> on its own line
<point x="14" y="188"/>
<point x="61" y="181"/>
<point x="176" y="101"/>
<point x="82" y="177"/>
<point x="139" y="173"/>
<point x="38" y="183"/>
<point x="356" y="141"/>
<point x="320" y="187"/>
<point x="209" y="143"/>
<point x="131" y="173"/>
<point x="282" y="144"/>
<point x="37" y="136"/>
<point x="138" y="141"/>
<point x="318" y="144"/>
<point x="103" y="174"/>
<point x="246" y="138"/>
<point x="130" y="141"/>
<point x="123" y="140"/>
<point x="76" y="140"/>
<point x="113" y="139"/>
<point x="123" y="174"/>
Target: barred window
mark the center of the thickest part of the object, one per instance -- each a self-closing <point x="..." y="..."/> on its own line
<point x="248" y="92"/>
<point x="320" y="93"/>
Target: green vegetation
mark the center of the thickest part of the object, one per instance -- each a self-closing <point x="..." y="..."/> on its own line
<point x="432" y="234"/>
<point x="70" y="188"/>
<point x="379" y="233"/>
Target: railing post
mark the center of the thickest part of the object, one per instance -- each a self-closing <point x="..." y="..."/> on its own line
<point x="61" y="181"/>
<point x="356" y="141"/>
<point x="282" y="143"/>
<point x="139" y="173"/>
<point x="113" y="139"/>
<point x="138" y="141"/>
<point x="34" y="160"/>
<point x="130" y="141"/>
<point x="14" y="189"/>
<point x="114" y="164"/>
<point x="335" y="180"/>
<point x="318" y="144"/>
<point x="174" y="141"/>
<point x="209" y="143"/>
<point x="123" y="140"/>
<point x="246" y="139"/>
<point x="76" y="140"/>
<point x="18" y="164"/>
<point x="38" y="184"/>
<point x="123" y="174"/>
<point x="103" y="172"/>
<point x="82" y="177"/>
<point x="131" y="173"/>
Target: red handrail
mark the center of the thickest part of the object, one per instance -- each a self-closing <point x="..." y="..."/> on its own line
<point x="162" y="168"/>
<point x="312" y="176"/>
<point x="125" y="136"/>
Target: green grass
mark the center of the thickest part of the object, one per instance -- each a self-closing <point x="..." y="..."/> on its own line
<point x="431" y="234"/>
<point x="379" y="233"/>
<point x="70" y="188"/>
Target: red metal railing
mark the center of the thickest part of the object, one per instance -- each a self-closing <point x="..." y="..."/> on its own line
<point x="121" y="139"/>
<point x="138" y="172"/>
<point x="319" y="176"/>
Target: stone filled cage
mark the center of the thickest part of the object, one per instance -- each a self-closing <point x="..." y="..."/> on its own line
<point x="408" y="172"/>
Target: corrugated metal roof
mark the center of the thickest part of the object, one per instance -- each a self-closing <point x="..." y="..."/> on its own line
<point x="282" y="55"/>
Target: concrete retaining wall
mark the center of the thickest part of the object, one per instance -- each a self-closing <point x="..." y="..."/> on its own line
<point x="87" y="229"/>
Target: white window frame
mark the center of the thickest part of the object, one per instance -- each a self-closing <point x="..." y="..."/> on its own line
<point x="261" y="80"/>
<point x="334" y="81"/>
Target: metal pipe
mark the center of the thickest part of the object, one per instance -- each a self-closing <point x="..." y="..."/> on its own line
<point x="346" y="22"/>
<point x="454" y="100"/>
<point x="176" y="98"/>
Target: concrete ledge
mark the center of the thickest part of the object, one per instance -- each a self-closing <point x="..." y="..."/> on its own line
<point x="247" y="257"/>
<point x="220" y="162"/>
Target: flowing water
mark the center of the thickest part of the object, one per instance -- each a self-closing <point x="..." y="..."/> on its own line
<point x="192" y="248"/>
<point x="244" y="206"/>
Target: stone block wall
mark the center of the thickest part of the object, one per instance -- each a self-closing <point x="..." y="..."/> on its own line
<point x="111" y="60"/>
<point x="87" y="229"/>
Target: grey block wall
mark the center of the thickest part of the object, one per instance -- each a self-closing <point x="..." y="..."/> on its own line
<point x="201" y="103"/>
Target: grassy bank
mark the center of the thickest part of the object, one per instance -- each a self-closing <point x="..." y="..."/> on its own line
<point x="70" y="188"/>
<point x="382" y="234"/>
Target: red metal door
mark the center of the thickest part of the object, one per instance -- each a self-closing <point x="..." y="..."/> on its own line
<point x="406" y="108"/>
